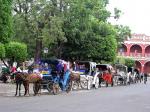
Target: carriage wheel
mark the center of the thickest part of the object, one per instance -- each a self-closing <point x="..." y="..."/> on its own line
<point x="50" y="87"/>
<point x="75" y="85"/>
<point x="84" y="84"/>
<point x="55" y="88"/>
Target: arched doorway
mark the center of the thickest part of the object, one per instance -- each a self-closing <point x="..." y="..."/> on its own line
<point x="147" y="67"/>
<point x="138" y="65"/>
<point x="122" y="50"/>
<point x="136" y="51"/>
<point x="147" y="51"/>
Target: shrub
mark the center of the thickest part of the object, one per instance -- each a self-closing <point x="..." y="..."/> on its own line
<point x="16" y="51"/>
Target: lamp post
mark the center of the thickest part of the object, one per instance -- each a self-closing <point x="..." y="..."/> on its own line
<point x="121" y="51"/>
<point x="45" y="51"/>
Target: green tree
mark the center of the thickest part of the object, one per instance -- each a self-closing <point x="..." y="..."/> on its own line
<point x="69" y="28"/>
<point x="123" y="32"/>
<point x="120" y="60"/>
<point x="16" y="51"/>
<point x="2" y="51"/>
<point x="40" y="18"/>
<point x="129" y="62"/>
<point x="5" y="20"/>
<point x="117" y="13"/>
<point x="89" y="36"/>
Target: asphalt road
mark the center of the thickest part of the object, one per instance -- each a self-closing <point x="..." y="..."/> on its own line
<point x="133" y="98"/>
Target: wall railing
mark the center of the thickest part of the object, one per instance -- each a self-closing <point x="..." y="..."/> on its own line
<point x="135" y="54"/>
<point x="147" y="55"/>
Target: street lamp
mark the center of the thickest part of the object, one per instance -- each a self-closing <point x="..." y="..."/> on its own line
<point x="45" y="51"/>
<point x="121" y="51"/>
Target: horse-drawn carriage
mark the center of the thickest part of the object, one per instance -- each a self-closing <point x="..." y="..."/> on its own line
<point x="134" y="75"/>
<point x="120" y="77"/>
<point x="5" y="74"/>
<point x="105" y="74"/>
<point x="88" y="74"/>
<point x="53" y="79"/>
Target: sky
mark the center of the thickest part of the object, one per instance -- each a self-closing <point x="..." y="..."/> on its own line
<point x="135" y="14"/>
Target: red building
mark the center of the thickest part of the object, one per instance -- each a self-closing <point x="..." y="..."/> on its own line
<point x="138" y="48"/>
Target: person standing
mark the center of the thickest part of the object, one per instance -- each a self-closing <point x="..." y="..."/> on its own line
<point x="145" y="78"/>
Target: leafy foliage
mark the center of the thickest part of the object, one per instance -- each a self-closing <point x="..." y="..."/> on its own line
<point x="2" y="51"/>
<point x="5" y="21"/>
<point x="129" y="62"/>
<point x="89" y="36"/>
<point x="117" y="13"/>
<point x="70" y="29"/>
<point x="16" y="51"/>
<point x="40" y="18"/>
<point x="123" y="32"/>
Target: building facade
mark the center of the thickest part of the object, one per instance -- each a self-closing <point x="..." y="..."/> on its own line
<point x="138" y="48"/>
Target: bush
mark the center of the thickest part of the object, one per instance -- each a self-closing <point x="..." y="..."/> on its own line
<point x="16" y="51"/>
<point x="2" y="51"/>
<point x="120" y="60"/>
<point x="126" y="61"/>
<point x="129" y="62"/>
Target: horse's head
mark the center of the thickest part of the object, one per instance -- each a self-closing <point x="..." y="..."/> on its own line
<point x="100" y="74"/>
<point x="74" y="75"/>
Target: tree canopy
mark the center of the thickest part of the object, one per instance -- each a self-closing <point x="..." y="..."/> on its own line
<point x="70" y="29"/>
<point x="2" y="51"/>
<point x="16" y="51"/>
<point x="123" y="32"/>
<point x="129" y="62"/>
<point x="5" y="20"/>
<point x="89" y="36"/>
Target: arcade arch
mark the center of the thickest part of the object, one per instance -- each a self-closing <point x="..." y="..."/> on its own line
<point x="136" y="50"/>
<point x="147" y="51"/>
<point x="147" y="67"/>
<point x="123" y="48"/>
<point x="138" y="65"/>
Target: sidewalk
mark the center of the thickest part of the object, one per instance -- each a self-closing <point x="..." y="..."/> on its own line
<point x="9" y="89"/>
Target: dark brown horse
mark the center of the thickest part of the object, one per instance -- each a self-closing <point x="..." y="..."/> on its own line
<point x="26" y="79"/>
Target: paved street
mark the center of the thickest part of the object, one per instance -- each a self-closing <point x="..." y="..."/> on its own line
<point x="133" y="98"/>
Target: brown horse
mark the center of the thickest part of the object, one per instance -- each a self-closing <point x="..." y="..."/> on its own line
<point x="26" y="79"/>
<point x="75" y="79"/>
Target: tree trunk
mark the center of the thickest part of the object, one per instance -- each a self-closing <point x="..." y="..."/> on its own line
<point x="38" y="50"/>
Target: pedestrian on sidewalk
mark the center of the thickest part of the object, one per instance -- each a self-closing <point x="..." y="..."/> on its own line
<point x="145" y="78"/>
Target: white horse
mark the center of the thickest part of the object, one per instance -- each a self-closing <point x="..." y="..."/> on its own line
<point x="128" y="77"/>
<point x="96" y="80"/>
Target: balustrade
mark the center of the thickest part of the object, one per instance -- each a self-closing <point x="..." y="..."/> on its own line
<point x="147" y="55"/>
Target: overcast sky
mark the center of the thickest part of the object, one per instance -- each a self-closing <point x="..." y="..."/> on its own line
<point x="136" y="14"/>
